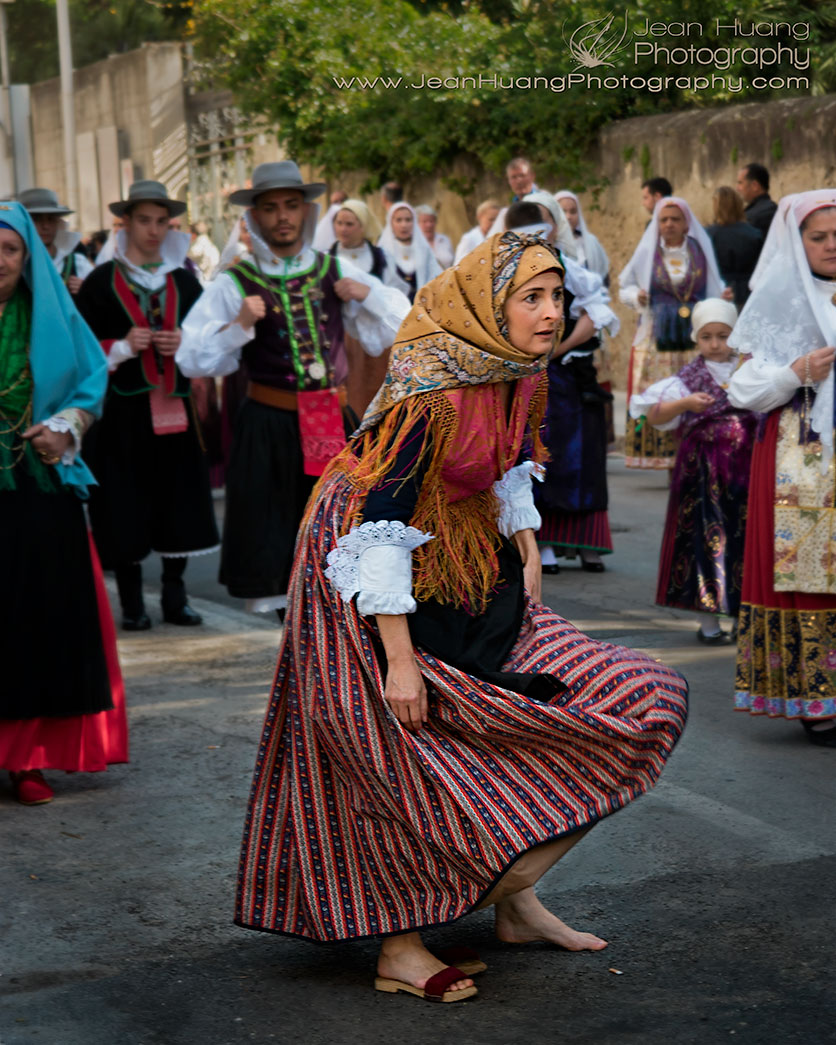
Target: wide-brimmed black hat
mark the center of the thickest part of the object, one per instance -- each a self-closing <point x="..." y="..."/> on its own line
<point x="42" y="201"/>
<point x="282" y="175"/>
<point x="147" y="192"/>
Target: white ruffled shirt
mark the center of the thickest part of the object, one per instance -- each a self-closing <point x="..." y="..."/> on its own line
<point x="362" y="258"/>
<point x="173" y="252"/>
<point x="212" y="340"/>
<point x="469" y="241"/>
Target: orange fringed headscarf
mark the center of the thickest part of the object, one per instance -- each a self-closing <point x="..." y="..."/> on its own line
<point x="454" y="336"/>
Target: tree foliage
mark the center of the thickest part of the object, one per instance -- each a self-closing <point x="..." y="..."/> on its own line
<point x="283" y="61"/>
<point x="98" y="28"/>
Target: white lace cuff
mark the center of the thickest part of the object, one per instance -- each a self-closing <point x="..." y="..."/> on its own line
<point x="516" y="499"/>
<point x="72" y="420"/>
<point x="374" y="562"/>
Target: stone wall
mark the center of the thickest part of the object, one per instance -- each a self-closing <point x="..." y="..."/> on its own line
<point x="697" y="150"/>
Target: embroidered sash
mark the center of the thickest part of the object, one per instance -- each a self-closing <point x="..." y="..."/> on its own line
<point x="168" y="413"/>
<point x="805" y="514"/>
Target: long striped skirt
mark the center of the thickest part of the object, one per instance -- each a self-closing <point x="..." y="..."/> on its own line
<point x="356" y="827"/>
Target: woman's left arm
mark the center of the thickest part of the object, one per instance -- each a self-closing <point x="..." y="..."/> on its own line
<point x="519" y="520"/>
<point x="59" y="437"/>
<point x="526" y="545"/>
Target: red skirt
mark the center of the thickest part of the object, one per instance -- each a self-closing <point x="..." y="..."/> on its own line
<point x="786" y="647"/>
<point x="566" y="531"/>
<point x="76" y="743"/>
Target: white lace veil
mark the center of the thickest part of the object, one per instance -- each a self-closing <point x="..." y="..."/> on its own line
<point x="416" y="256"/>
<point x="786" y="316"/>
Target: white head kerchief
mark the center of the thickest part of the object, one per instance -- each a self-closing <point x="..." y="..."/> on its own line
<point x="564" y="237"/>
<point x="712" y="310"/>
<point x="596" y="256"/>
<point x="785" y="315"/>
<point x="639" y="268"/>
<point x="173" y="251"/>
<point x="416" y="256"/>
<point x="371" y="226"/>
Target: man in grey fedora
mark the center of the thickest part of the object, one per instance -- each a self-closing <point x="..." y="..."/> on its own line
<point x="146" y="451"/>
<point x="49" y="217"/>
<point x="284" y="312"/>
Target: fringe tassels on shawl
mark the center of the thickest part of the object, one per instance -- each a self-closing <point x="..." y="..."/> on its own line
<point x="460" y="566"/>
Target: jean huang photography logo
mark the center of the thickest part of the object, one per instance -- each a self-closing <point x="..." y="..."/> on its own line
<point x="597" y="43"/>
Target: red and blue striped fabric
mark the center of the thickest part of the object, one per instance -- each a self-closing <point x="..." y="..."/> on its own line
<point x="357" y="827"/>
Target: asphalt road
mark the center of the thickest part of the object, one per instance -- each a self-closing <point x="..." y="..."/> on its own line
<point x="715" y="890"/>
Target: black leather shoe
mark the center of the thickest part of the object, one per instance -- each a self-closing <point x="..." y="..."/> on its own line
<point x="600" y="395"/>
<point x="551" y="568"/>
<point x="820" y="737"/>
<point x="592" y="567"/>
<point x="140" y="623"/>
<point x="185" y="617"/>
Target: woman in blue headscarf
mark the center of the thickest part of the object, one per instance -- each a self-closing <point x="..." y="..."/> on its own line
<point x="61" y="699"/>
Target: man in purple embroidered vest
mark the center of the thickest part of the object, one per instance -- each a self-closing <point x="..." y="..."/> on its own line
<point x="282" y="312"/>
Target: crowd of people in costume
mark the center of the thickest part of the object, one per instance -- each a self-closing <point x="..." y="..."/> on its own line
<point x="416" y="433"/>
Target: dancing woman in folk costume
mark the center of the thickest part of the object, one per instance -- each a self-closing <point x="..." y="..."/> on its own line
<point x="672" y="269"/>
<point x="436" y="738"/>
<point x="786" y="660"/>
<point x="62" y="698"/>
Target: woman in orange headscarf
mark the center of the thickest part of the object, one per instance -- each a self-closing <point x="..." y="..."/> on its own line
<point x="436" y="738"/>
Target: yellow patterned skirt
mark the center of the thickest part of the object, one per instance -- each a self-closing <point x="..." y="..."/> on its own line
<point x="786" y="646"/>
<point x="645" y="446"/>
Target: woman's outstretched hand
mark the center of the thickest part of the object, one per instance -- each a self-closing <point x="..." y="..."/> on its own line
<point x="406" y="694"/>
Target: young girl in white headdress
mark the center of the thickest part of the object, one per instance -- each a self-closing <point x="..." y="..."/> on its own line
<point x="672" y="269"/>
<point x="701" y="563"/>
<point x="415" y="261"/>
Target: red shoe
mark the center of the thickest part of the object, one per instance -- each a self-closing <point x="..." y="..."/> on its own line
<point x="31" y="789"/>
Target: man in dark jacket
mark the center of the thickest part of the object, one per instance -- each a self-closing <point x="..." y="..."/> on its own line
<point x="753" y="186"/>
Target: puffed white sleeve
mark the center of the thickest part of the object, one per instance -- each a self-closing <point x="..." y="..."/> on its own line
<point x="83" y="266"/>
<point x="628" y="287"/>
<point x="590" y="296"/>
<point x="762" y="386"/>
<point x="515" y="493"/>
<point x="668" y="390"/>
<point x="374" y="562"/>
<point x="212" y="340"/>
<point x="375" y="321"/>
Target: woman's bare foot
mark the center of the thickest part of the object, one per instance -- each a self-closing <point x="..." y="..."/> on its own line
<point x="521" y="918"/>
<point x="405" y="958"/>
